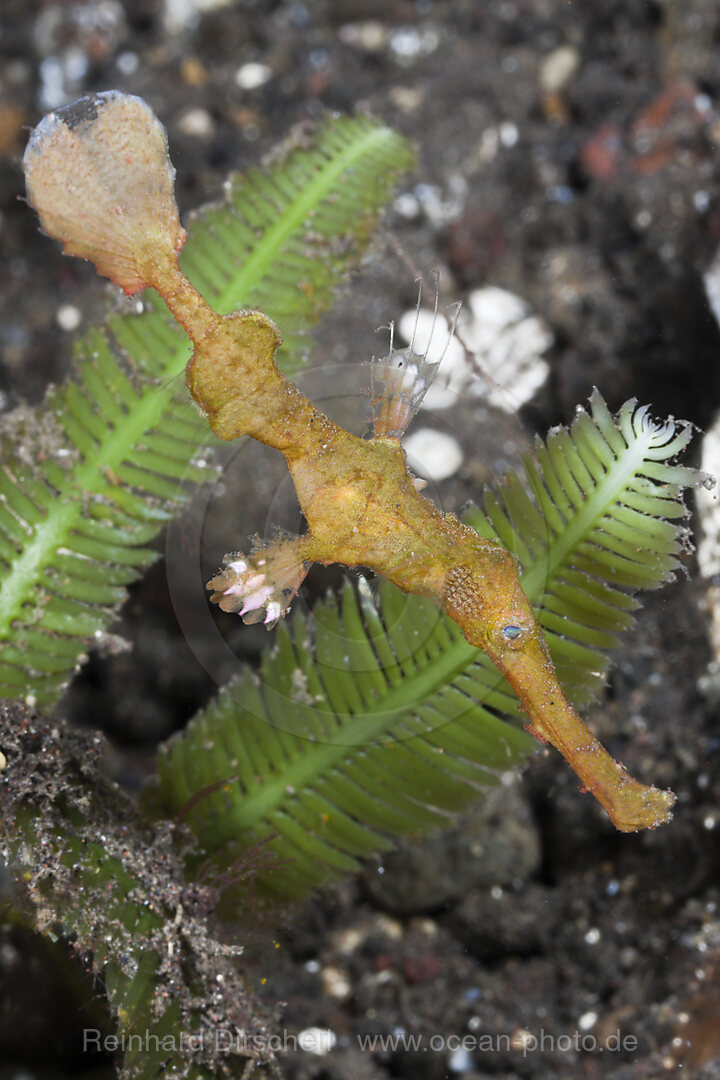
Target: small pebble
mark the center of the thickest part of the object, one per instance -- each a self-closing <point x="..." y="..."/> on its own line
<point x="410" y="42"/>
<point x="252" y="75"/>
<point x="213" y="5"/>
<point x="406" y="98"/>
<point x="708" y="504"/>
<point x="587" y="1021"/>
<point x="197" y="123"/>
<point x="53" y="92"/>
<point x="68" y="317"/>
<point x="509" y="134"/>
<point x="193" y="72"/>
<point x="335" y="982"/>
<point x="433" y="453"/>
<point x="182" y="15"/>
<point x="407" y="205"/>
<point x="460" y="1061"/>
<point x="371" y="36"/>
<point x="318" y="1041"/>
<point x="179" y="16"/>
<point x="557" y="68"/>
<point x="127" y="63"/>
<point x="701" y="201"/>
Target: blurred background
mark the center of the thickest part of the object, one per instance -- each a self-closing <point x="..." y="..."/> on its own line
<point x="567" y="155"/>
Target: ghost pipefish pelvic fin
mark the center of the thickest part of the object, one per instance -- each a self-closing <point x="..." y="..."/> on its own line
<point x="99" y="176"/>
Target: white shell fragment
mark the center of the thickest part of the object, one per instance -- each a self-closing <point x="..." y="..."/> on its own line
<point x="68" y="317"/>
<point x="708" y="504"/>
<point x="558" y="68"/>
<point x="98" y="174"/>
<point x="708" y="551"/>
<point x="197" y="123"/>
<point x="433" y="453"/>
<point x="507" y="341"/>
<point x="252" y="75"/>
<point x="711" y="281"/>
<point x="318" y="1041"/>
<point x="707" y="498"/>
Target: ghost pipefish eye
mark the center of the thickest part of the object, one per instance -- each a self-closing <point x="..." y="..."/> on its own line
<point x="513" y="634"/>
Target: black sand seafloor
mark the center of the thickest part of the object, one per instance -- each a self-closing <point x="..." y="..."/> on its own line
<point x="570" y="154"/>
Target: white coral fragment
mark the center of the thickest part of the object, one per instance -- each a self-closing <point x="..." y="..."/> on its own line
<point x="708" y="504"/>
<point x="507" y="340"/>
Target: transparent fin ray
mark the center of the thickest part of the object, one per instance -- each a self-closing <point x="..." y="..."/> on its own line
<point x="402" y="377"/>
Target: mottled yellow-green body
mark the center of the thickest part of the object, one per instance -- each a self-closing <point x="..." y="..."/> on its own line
<point x="362" y="509"/>
<point x="99" y="175"/>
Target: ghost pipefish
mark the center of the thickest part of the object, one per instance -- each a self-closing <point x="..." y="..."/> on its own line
<point x="99" y="175"/>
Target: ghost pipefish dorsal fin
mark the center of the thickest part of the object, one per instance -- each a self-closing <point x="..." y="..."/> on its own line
<point x="402" y="377"/>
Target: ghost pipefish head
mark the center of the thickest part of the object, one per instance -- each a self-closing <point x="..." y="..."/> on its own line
<point x="486" y="599"/>
<point x="99" y="176"/>
<point x="525" y="662"/>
